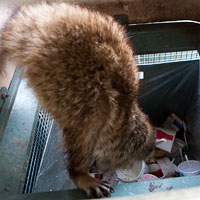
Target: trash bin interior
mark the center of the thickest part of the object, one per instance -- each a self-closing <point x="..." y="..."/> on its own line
<point x="173" y="88"/>
<point x="166" y="88"/>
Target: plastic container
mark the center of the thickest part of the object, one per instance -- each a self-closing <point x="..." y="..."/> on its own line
<point x="147" y="177"/>
<point x="134" y="173"/>
<point x="189" y="168"/>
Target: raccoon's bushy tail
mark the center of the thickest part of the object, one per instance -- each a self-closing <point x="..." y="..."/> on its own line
<point x="25" y="39"/>
<point x="3" y="52"/>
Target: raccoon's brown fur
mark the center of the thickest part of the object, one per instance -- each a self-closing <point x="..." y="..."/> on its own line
<point x="83" y="72"/>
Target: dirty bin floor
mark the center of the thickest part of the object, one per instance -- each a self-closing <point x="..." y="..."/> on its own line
<point x="53" y="174"/>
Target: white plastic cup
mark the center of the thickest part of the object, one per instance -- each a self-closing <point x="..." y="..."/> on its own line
<point x="130" y="175"/>
<point x="189" y="168"/>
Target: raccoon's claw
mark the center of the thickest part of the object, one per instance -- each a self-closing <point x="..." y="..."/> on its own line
<point x="94" y="188"/>
<point x="101" y="190"/>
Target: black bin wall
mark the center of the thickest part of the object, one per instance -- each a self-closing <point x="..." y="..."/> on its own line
<point x="173" y="87"/>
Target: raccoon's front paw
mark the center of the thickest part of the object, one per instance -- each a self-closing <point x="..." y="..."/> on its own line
<point x="99" y="190"/>
<point x="94" y="188"/>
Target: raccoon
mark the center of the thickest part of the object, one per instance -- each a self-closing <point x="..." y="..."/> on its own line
<point x="82" y="69"/>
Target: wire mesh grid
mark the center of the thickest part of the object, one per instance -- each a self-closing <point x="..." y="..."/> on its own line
<point x="41" y="132"/>
<point x="167" y="57"/>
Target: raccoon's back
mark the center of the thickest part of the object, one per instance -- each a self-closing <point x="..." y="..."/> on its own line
<point x="74" y="57"/>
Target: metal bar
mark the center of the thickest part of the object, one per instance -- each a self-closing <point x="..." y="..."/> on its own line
<point x="122" y="190"/>
<point x="164" y="37"/>
<point x="8" y="103"/>
<point x="16" y="138"/>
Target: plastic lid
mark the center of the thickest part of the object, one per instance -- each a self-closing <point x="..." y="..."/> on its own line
<point x="191" y="166"/>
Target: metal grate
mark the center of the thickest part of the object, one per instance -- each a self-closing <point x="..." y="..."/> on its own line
<point x="167" y="57"/>
<point x="41" y="132"/>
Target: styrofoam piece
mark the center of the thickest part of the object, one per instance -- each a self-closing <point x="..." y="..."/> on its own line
<point x="141" y="75"/>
